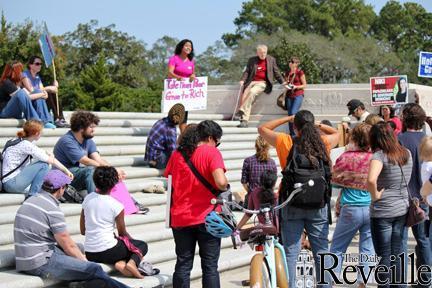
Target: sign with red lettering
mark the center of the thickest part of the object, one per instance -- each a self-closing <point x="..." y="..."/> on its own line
<point x="389" y="90"/>
<point x="193" y="95"/>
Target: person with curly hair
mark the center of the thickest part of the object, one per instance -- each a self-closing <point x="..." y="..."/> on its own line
<point x="77" y="151"/>
<point x="162" y="138"/>
<point x="313" y="140"/>
<point x="191" y="201"/>
<point x="101" y="216"/>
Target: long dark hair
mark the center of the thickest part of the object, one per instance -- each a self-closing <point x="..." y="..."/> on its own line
<point x="311" y="144"/>
<point x="188" y="140"/>
<point x="267" y="182"/>
<point x="381" y="137"/>
<point x="179" y="48"/>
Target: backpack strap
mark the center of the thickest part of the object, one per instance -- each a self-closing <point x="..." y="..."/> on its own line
<point x="8" y="144"/>
<point x="201" y="178"/>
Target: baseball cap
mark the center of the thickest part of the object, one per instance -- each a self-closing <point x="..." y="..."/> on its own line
<point x="354" y="104"/>
<point x="56" y="179"/>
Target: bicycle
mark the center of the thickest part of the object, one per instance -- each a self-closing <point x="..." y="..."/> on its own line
<point x="268" y="269"/>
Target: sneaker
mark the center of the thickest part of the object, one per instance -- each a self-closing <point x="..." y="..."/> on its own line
<point x="49" y="125"/>
<point x="146" y="269"/>
<point x="243" y="124"/>
<point x="142" y="209"/>
<point x="61" y="123"/>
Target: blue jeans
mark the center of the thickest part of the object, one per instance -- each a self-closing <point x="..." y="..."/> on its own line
<point x="18" y="105"/>
<point x="388" y="238"/>
<point x="423" y="249"/>
<point x="209" y="249"/>
<point x="351" y="220"/>
<point x="63" y="267"/>
<point x="83" y="178"/>
<point x="293" y="222"/>
<point x="32" y="174"/>
<point x="293" y="106"/>
<point x="41" y="108"/>
<point x="161" y="161"/>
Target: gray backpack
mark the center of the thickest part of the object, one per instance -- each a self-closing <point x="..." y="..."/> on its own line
<point x="8" y="144"/>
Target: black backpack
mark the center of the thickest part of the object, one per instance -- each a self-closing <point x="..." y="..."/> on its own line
<point x="300" y="170"/>
<point x="8" y="144"/>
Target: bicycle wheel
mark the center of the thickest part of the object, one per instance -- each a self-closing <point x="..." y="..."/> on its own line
<point x="259" y="272"/>
<point x="281" y="274"/>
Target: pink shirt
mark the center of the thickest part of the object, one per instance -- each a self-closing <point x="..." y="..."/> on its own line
<point x="182" y="68"/>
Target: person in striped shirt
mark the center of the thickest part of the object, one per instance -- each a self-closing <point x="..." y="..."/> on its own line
<point x="43" y="246"/>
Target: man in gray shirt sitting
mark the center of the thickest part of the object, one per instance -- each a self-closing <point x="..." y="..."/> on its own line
<point x="43" y="246"/>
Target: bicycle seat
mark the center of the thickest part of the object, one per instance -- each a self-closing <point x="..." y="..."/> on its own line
<point x="258" y="230"/>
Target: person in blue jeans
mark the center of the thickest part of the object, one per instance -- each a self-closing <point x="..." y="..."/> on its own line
<point x="14" y="101"/>
<point x="389" y="171"/>
<point x="296" y="83"/>
<point x="295" y="220"/>
<point x="77" y="151"/>
<point x="44" y="247"/>
<point x="24" y="163"/>
<point x="352" y="206"/>
<point x="33" y="84"/>
<point x="413" y="119"/>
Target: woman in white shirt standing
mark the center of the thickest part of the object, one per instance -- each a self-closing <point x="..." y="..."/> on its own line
<point x="24" y="163"/>
<point x="100" y="215"/>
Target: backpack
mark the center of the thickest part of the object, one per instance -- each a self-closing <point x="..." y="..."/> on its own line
<point x="300" y="170"/>
<point x="8" y="144"/>
<point x="71" y="195"/>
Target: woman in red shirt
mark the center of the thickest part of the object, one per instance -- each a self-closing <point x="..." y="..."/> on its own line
<point x="296" y="80"/>
<point x="191" y="201"/>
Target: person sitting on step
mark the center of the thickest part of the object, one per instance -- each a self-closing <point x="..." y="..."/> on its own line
<point x="43" y="245"/>
<point x="100" y="215"/>
<point x="25" y="164"/>
<point x="162" y="138"/>
<point x="77" y="151"/>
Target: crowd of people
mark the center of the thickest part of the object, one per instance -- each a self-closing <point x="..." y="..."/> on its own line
<point x="386" y="163"/>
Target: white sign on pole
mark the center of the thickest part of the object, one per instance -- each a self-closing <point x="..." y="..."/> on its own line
<point x="193" y="95"/>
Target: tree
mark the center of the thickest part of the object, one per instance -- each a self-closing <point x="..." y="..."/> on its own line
<point x="329" y="18"/>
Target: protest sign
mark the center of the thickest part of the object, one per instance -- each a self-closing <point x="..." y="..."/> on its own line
<point x="47" y="47"/>
<point x="193" y="95"/>
<point x="389" y="90"/>
<point x="425" y="64"/>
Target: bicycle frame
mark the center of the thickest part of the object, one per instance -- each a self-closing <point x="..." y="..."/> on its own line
<point x="271" y="242"/>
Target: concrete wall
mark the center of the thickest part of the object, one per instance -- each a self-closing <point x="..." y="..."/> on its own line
<point x="324" y="100"/>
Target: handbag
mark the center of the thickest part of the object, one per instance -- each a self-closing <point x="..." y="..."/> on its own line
<point x="280" y="101"/>
<point x="416" y="214"/>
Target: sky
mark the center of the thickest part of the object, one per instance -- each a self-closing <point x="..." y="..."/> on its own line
<point x="202" y="21"/>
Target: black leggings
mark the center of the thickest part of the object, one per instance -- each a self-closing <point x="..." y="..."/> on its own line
<point x="118" y="252"/>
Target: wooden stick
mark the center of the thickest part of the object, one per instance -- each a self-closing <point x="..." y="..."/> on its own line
<point x="56" y="94"/>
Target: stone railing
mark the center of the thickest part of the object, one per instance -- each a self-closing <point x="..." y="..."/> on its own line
<point x="324" y="100"/>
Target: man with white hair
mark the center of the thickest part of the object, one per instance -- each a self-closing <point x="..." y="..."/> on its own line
<point x="258" y="77"/>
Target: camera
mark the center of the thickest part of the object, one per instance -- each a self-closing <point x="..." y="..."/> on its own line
<point x="289" y="86"/>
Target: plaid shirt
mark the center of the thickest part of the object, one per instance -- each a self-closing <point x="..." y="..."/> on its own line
<point x="252" y="170"/>
<point x="162" y="137"/>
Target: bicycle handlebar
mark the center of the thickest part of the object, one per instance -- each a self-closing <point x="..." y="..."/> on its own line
<point x="298" y="187"/>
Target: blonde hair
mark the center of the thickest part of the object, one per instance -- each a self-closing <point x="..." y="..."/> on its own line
<point x="262" y="148"/>
<point x="426" y="148"/>
<point x="30" y="128"/>
<point x="373" y="119"/>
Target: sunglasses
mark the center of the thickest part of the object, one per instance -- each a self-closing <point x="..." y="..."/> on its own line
<point x="37" y="63"/>
<point x="294" y="62"/>
<point x="218" y="143"/>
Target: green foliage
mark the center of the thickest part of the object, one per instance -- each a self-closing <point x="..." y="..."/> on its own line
<point x="287" y="49"/>
<point x="329" y="18"/>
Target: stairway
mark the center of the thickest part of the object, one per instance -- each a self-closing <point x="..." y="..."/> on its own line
<point x="121" y="138"/>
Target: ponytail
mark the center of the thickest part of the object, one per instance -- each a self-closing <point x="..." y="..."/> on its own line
<point x="268" y="181"/>
<point x="30" y="128"/>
